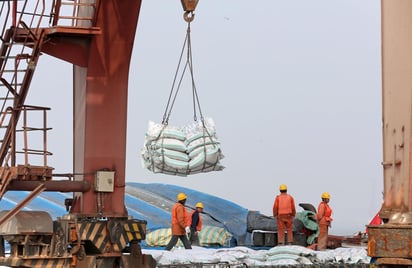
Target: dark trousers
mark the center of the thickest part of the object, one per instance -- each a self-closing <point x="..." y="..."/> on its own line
<point x="174" y="240"/>
<point x="194" y="237"/>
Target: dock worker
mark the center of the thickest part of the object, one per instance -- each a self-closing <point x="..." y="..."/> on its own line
<point x="195" y="224"/>
<point x="324" y="219"/>
<point x="180" y="223"/>
<point x="284" y="211"/>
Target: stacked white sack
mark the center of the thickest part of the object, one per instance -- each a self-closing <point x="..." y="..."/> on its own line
<point x="182" y="150"/>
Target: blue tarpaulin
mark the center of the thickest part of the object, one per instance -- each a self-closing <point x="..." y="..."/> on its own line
<point x="151" y="202"/>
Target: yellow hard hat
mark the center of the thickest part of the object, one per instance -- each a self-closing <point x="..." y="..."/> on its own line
<point x="181" y="196"/>
<point x="283" y="187"/>
<point x="325" y="195"/>
<point x="199" y="205"/>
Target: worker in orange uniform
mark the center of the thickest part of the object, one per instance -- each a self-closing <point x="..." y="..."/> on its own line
<point x="324" y="220"/>
<point x="180" y="223"/>
<point x="284" y="211"/>
<point x="195" y="224"/>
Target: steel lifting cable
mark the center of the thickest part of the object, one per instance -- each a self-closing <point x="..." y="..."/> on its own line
<point x="189" y="6"/>
<point x="187" y="46"/>
<point x="170" y="104"/>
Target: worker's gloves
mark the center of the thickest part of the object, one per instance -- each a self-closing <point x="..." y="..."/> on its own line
<point x="187" y="229"/>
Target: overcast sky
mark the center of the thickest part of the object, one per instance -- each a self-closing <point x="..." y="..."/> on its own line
<point x="294" y="88"/>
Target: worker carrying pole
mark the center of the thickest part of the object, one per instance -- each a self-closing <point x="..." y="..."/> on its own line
<point x="189" y="7"/>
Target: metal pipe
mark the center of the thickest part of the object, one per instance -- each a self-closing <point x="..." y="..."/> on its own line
<point x="38" y="190"/>
<point x="52" y="186"/>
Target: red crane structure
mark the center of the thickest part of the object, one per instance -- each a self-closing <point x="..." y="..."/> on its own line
<point x="390" y="243"/>
<point x="97" y="37"/>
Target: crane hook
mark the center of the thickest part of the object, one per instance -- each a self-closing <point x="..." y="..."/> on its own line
<point x="188" y="16"/>
<point x="189" y="6"/>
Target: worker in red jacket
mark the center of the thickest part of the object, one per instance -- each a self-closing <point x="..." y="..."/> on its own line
<point x="324" y="220"/>
<point x="195" y="224"/>
<point x="284" y="211"/>
<point x="180" y="223"/>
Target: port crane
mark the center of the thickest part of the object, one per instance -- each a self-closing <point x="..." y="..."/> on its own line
<point x="97" y="37"/>
<point x="390" y="244"/>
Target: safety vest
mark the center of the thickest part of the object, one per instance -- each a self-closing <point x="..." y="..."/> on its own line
<point x="199" y="223"/>
<point x="324" y="213"/>
<point x="284" y="205"/>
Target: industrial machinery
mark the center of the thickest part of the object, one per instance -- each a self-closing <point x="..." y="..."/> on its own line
<point x="391" y="243"/>
<point x="97" y="37"/>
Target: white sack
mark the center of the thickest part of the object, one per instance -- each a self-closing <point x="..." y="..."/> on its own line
<point x="182" y="150"/>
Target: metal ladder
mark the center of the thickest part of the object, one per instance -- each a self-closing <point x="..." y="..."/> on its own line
<point x="19" y="53"/>
<point x="25" y="28"/>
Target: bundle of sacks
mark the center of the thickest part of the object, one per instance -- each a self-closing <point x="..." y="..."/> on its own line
<point x="182" y="150"/>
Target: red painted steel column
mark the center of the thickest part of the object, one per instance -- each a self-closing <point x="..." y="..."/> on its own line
<point x="100" y="102"/>
<point x="100" y="107"/>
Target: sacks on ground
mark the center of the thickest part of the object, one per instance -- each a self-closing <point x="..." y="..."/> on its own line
<point x="182" y="150"/>
<point x="291" y="249"/>
<point x="208" y="236"/>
